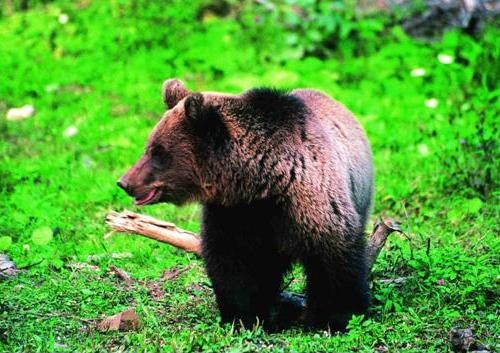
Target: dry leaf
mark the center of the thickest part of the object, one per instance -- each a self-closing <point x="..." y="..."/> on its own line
<point x="124" y="321"/>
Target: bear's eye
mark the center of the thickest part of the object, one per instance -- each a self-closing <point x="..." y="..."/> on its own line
<point x="159" y="157"/>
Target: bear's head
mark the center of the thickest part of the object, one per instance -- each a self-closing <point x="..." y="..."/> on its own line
<point x="213" y="147"/>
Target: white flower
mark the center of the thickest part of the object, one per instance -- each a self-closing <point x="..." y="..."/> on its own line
<point x="431" y="103"/>
<point x="70" y="131"/>
<point x="63" y="18"/>
<point x="423" y="149"/>
<point x="445" y="59"/>
<point x="418" y="72"/>
<point x="24" y="112"/>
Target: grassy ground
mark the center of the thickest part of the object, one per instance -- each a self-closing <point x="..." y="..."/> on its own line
<point x="434" y="138"/>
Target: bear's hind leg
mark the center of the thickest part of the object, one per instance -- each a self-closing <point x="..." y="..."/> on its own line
<point x="337" y="288"/>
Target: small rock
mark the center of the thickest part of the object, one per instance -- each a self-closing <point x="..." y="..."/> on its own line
<point x="21" y="113"/>
<point x="463" y="340"/>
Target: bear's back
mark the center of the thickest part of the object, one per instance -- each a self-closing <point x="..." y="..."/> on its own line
<point x="348" y="139"/>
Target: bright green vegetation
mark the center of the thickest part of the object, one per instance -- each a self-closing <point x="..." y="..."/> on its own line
<point x="101" y="72"/>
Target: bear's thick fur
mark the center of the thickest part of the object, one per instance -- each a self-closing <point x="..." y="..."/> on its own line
<point x="283" y="177"/>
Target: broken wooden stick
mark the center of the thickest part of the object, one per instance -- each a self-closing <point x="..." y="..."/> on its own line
<point x="165" y="232"/>
<point x="378" y="238"/>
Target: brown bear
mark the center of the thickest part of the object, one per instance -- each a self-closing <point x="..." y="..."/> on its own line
<point x="283" y="177"/>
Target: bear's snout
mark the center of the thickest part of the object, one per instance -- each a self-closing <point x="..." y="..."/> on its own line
<point x="123" y="184"/>
<point x="136" y="178"/>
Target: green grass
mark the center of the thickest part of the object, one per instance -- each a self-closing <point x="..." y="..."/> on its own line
<point x="437" y="171"/>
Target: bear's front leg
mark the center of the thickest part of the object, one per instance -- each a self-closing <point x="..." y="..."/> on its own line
<point x="246" y="288"/>
<point x="242" y="263"/>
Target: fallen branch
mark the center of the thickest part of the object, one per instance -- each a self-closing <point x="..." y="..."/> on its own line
<point x="153" y="228"/>
<point x="165" y="232"/>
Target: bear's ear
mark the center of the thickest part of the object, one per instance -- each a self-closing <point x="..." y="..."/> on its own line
<point x="193" y="106"/>
<point x="205" y="120"/>
<point x="173" y="90"/>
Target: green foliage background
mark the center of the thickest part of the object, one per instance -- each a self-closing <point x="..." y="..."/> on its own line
<point x="101" y="72"/>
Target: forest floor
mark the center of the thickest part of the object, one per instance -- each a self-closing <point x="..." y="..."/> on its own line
<point x="93" y="72"/>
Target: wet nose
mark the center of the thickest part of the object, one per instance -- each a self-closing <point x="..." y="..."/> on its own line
<point x="122" y="184"/>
